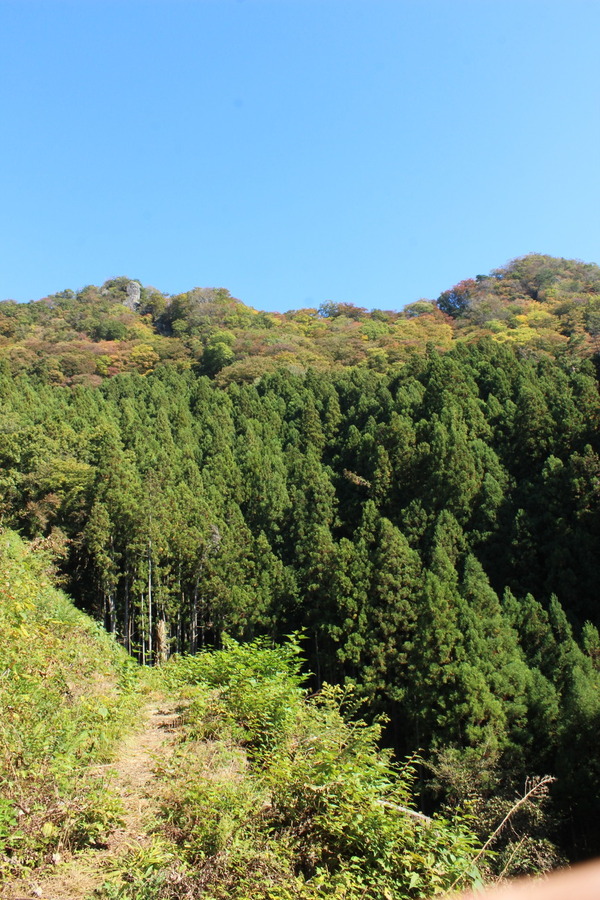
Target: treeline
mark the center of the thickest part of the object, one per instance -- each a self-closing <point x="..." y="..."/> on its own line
<point x="431" y="530"/>
<point x="83" y="337"/>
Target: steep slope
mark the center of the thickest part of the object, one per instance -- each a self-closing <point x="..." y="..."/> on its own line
<point x="271" y="791"/>
<point x="66" y="693"/>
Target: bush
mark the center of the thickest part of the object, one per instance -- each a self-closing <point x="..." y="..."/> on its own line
<point x="65" y="692"/>
<point x="275" y="795"/>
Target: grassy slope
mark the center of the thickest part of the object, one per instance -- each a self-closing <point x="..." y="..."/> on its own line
<point x="66" y="692"/>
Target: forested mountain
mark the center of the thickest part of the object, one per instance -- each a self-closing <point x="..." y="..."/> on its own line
<point x="537" y="302"/>
<point x="416" y="493"/>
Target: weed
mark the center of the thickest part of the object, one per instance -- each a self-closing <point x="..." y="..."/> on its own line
<point x="66" y="690"/>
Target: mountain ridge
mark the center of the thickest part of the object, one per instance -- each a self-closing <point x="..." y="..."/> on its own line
<point x="537" y="303"/>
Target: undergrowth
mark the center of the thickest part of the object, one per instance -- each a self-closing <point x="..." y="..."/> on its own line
<point x="66" y="691"/>
<point x="274" y="795"/>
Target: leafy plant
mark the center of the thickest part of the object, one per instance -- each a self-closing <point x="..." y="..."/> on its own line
<point x="66" y="691"/>
<point x="308" y="805"/>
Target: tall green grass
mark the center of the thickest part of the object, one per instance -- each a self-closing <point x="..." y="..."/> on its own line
<point x="66" y="690"/>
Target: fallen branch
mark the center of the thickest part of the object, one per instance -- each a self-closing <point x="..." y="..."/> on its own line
<point x="406" y="810"/>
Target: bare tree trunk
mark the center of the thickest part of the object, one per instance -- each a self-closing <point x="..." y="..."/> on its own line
<point x="127" y="618"/>
<point x="162" y="649"/>
<point x="112" y="612"/>
<point x="149" y="600"/>
<point x="143" y="617"/>
<point x="179" y="641"/>
<point x="194" y="621"/>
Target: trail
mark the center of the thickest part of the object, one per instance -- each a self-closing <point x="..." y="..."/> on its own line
<point x="131" y="779"/>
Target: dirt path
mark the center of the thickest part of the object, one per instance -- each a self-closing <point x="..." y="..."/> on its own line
<point x="131" y="779"/>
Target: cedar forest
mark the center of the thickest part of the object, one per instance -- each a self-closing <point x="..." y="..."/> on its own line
<point x="414" y="495"/>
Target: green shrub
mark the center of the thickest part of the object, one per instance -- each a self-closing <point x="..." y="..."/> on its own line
<point x="65" y="693"/>
<point x="275" y="795"/>
<point x="257" y="689"/>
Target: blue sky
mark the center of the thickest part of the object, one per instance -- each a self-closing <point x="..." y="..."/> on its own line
<point x="295" y="151"/>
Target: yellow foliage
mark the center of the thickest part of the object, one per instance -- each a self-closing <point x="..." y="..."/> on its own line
<point x="143" y="357"/>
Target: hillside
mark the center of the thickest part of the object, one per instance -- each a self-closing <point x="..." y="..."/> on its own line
<point x="424" y="512"/>
<point x="263" y="790"/>
<point x="66" y="693"/>
<point x="537" y="301"/>
<point x="82" y="337"/>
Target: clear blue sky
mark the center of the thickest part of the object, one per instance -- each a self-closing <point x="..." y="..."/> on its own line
<point x="293" y="151"/>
